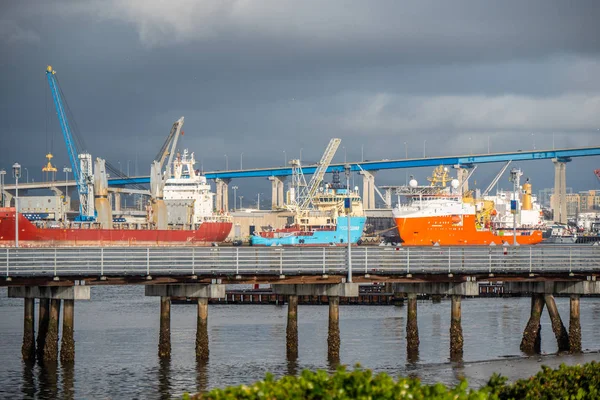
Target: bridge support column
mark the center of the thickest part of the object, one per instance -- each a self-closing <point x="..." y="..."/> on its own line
<point x="368" y="189"/>
<point x="412" y="329"/>
<point x="51" y="345"/>
<point x="117" y="201"/>
<point x="532" y="340"/>
<point x="562" y="337"/>
<point x="202" y="349"/>
<point x="462" y="174"/>
<point x="222" y="197"/>
<point x="200" y="291"/>
<point x="559" y="200"/>
<point x="277" y="186"/>
<point x="291" y="336"/>
<point x="164" y="336"/>
<point x="28" y="348"/>
<point x="574" y="326"/>
<point x="333" y="333"/>
<point x="67" y="345"/>
<point x="456" y="334"/>
<point x="43" y="320"/>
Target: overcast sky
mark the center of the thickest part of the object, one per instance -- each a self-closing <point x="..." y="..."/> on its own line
<point x="268" y="78"/>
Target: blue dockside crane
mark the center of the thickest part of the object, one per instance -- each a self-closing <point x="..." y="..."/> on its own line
<point x="81" y="162"/>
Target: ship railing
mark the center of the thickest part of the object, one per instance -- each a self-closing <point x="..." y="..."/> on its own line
<point x="239" y="261"/>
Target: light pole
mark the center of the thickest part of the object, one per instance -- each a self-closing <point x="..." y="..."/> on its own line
<point x="488" y="144"/>
<point x="533" y="139"/>
<point x="241" y="161"/>
<point x="300" y="158"/>
<point x="344" y="154"/>
<point x="226" y="163"/>
<point x="348" y="207"/>
<point x="515" y="175"/>
<point x="66" y="170"/>
<point x="235" y="188"/>
<point x="362" y="152"/>
<point x="26" y="173"/>
<point x="2" y="173"/>
<point x="128" y="161"/>
<point x="258" y="202"/>
<point x="284" y="158"/>
<point x="16" y="173"/>
<point x="241" y="197"/>
<point x="120" y="170"/>
<point x="406" y="157"/>
<point x="424" y="141"/>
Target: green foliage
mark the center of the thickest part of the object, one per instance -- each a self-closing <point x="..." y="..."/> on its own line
<point x="577" y="382"/>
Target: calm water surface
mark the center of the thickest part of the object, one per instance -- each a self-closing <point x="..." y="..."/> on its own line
<point x="116" y="335"/>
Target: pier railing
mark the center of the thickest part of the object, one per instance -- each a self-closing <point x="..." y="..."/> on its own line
<point x="221" y="261"/>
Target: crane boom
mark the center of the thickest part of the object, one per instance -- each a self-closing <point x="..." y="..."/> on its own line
<point x="319" y="174"/>
<point x="496" y="179"/>
<point x="171" y="140"/>
<point x="81" y="163"/>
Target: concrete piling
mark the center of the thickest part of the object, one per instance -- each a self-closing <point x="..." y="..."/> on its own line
<point x="43" y="320"/>
<point x="164" y="338"/>
<point x="333" y="337"/>
<point x="574" y="325"/>
<point x="456" y="334"/>
<point x="412" y="328"/>
<point x="51" y="346"/>
<point x="28" y="348"/>
<point x="292" y="328"/>
<point x="202" y="350"/>
<point x="562" y="337"/>
<point x="532" y="340"/>
<point x="67" y="345"/>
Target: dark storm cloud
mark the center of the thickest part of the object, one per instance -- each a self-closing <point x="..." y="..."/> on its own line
<point x="268" y="78"/>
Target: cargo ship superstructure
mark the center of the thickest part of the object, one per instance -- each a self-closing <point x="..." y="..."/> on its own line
<point x="445" y="216"/>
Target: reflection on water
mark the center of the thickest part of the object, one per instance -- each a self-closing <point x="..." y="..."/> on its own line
<point x="116" y="337"/>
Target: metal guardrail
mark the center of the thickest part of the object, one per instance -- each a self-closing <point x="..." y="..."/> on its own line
<point x="222" y="261"/>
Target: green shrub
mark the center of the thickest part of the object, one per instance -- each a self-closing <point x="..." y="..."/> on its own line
<point x="576" y="382"/>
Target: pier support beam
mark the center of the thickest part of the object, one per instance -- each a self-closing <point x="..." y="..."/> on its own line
<point x="67" y="345"/>
<point x="574" y="326"/>
<point x="333" y="333"/>
<point x="559" y="199"/>
<point x="412" y="329"/>
<point x="164" y="336"/>
<point x="469" y="288"/>
<point x="562" y="337"/>
<point x="202" y="349"/>
<point x="277" y="197"/>
<point x="532" y="340"/>
<point x="292" y="328"/>
<point x="368" y="189"/>
<point x="28" y="348"/>
<point x="43" y="320"/>
<point x="456" y="334"/>
<point x="51" y="345"/>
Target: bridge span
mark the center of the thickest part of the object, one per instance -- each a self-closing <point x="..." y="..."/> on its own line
<point x="55" y="275"/>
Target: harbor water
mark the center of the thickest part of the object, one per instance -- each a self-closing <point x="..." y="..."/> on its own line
<point x="116" y="335"/>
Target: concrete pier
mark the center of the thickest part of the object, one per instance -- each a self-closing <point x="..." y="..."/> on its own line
<point x="202" y="349"/>
<point x="164" y="336"/>
<point x="412" y="329"/>
<point x="43" y="320"/>
<point x="333" y="335"/>
<point x="67" y="345"/>
<point x="574" y="325"/>
<point x="456" y="334"/>
<point x="51" y="346"/>
<point x="562" y="337"/>
<point x="531" y="342"/>
<point x="28" y="348"/>
<point x="291" y="336"/>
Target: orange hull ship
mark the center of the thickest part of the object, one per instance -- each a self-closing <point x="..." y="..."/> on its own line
<point x="448" y="230"/>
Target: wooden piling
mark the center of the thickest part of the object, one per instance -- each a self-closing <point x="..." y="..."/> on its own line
<point x="292" y="328"/>
<point x="412" y="329"/>
<point x="574" y="325"/>
<point x="28" y="348"/>
<point x="562" y="337"/>
<point x="67" y="345"/>
<point x="164" y="338"/>
<point x="333" y="337"/>
<point x="532" y="339"/>
<point x="51" y="345"/>
<point x="456" y="334"/>
<point x="202" y="350"/>
<point x="43" y="320"/>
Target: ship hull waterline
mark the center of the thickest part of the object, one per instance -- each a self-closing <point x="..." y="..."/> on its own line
<point x="33" y="236"/>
